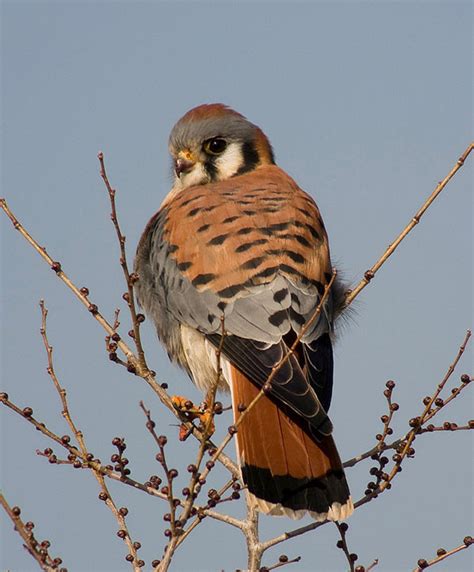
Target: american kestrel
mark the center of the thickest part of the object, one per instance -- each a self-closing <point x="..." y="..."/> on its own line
<point x="237" y="239"/>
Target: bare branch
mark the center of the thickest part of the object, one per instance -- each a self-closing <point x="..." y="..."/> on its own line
<point x="111" y="343"/>
<point x="130" y="279"/>
<point x="369" y="274"/>
<point x="104" y="494"/>
<point x="427" y="414"/>
<point x="77" y="460"/>
<point x="442" y="554"/>
<point x="342" y="544"/>
<point x="170" y="474"/>
<point x="38" y="550"/>
<point x="283" y="560"/>
<point x="27" y="414"/>
<point x="82" y="294"/>
<point x="449" y="426"/>
<point x="61" y="391"/>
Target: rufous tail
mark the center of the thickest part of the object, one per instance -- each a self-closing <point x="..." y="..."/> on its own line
<point x="286" y="471"/>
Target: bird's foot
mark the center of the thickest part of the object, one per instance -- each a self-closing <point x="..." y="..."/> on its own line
<point x="191" y="412"/>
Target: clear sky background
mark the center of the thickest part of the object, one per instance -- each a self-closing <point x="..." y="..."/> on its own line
<point x="368" y="105"/>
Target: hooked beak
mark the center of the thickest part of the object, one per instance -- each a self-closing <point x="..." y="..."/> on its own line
<point x="183" y="164"/>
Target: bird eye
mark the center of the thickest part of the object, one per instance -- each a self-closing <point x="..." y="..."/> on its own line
<point x="215" y="146"/>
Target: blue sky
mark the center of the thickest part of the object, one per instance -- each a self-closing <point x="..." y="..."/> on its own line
<point x="368" y="105"/>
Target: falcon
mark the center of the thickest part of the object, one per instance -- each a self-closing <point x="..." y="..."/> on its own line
<point x="237" y="259"/>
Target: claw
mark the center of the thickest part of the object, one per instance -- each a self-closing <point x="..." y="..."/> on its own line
<point x="182" y="403"/>
<point x="207" y="422"/>
<point x="191" y="412"/>
<point x="184" y="432"/>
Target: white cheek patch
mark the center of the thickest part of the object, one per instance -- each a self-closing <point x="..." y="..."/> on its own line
<point x="197" y="176"/>
<point x="229" y="162"/>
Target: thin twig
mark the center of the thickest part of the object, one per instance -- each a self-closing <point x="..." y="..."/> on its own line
<point x="448" y="426"/>
<point x="61" y="391"/>
<point x="378" y="456"/>
<point x="83" y="295"/>
<point x="39" y="551"/>
<point x="291" y="534"/>
<point x="123" y="532"/>
<point x="443" y="554"/>
<point x="283" y="561"/>
<point x="111" y="342"/>
<point x="27" y="414"/>
<point x="372" y="565"/>
<point x="94" y="464"/>
<point x="427" y="414"/>
<point x="206" y="512"/>
<point x="169" y="473"/>
<point x="342" y="544"/>
<point x="104" y="495"/>
<point x="369" y="274"/>
<point x="176" y="533"/>
<point x="129" y="278"/>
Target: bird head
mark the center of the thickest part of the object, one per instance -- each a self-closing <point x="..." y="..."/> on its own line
<point x="213" y="142"/>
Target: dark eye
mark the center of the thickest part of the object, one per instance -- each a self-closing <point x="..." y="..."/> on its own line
<point x="215" y="146"/>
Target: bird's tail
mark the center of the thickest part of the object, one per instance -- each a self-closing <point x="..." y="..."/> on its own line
<point x="286" y="471"/>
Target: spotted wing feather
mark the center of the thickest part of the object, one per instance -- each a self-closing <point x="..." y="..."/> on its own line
<point x="254" y="251"/>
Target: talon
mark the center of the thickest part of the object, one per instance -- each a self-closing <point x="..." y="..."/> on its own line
<point x="206" y="419"/>
<point x="184" y="432"/>
<point x="186" y="406"/>
<point x="181" y="403"/>
<point x="191" y="412"/>
<point x="188" y="410"/>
